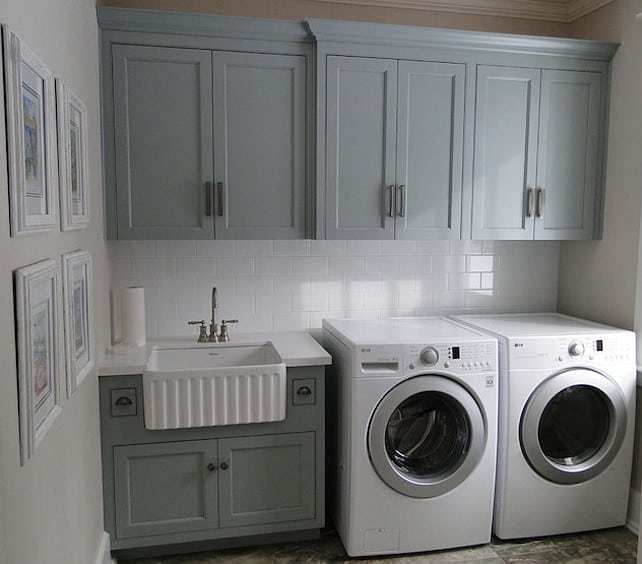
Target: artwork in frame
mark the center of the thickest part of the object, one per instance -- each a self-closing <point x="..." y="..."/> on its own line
<point x="38" y="344"/>
<point x="78" y="317"/>
<point x="31" y="138"/>
<point x="72" y="158"/>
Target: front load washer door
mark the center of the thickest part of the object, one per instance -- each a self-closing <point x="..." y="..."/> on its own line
<point x="573" y="426"/>
<point x="426" y="436"/>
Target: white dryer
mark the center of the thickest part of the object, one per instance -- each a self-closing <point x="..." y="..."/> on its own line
<point x="416" y="433"/>
<point x="566" y="423"/>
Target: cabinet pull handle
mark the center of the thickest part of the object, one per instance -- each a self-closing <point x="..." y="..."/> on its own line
<point x="539" y="205"/>
<point x="219" y="189"/>
<point x="224" y="466"/>
<point x="391" y="190"/>
<point x="211" y="467"/>
<point x="402" y="193"/>
<point x="123" y="401"/>
<point x="304" y="391"/>
<point x="208" y="199"/>
<point x="529" y="202"/>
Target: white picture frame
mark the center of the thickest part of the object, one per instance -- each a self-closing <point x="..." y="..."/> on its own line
<point x="31" y="138"/>
<point x="78" y="299"/>
<point x="73" y="159"/>
<point x="38" y="346"/>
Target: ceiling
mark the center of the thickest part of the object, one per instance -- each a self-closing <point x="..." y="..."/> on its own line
<point x="549" y="10"/>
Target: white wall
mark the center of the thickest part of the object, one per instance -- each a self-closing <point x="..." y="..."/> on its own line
<point x="51" y="509"/>
<point x="285" y="285"/>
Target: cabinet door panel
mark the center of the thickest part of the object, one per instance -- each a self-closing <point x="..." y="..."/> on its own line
<point x="506" y="119"/>
<point x="429" y="149"/>
<point x="360" y="147"/>
<point x="259" y="137"/>
<point x="568" y="154"/>
<point x="269" y="479"/>
<point x="165" y="488"/>
<point x="163" y="142"/>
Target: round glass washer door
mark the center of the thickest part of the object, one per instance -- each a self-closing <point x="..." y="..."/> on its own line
<point x="426" y="436"/>
<point x="573" y="426"/>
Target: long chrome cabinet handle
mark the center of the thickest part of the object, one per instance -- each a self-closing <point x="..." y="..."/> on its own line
<point x="208" y="199"/>
<point x="402" y="207"/>
<point x="529" y="202"/>
<point x="539" y="205"/>
<point x="219" y="189"/>
<point x="391" y="197"/>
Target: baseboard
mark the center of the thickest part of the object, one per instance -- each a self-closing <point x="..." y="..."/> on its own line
<point x="633" y="512"/>
<point x="103" y="555"/>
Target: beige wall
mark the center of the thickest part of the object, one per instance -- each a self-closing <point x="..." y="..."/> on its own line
<point x="598" y="279"/>
<point x="51" y="509"/>
<point x="302" y="9"/>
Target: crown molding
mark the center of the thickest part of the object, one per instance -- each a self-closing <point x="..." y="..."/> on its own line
<point x="565" y="11"/>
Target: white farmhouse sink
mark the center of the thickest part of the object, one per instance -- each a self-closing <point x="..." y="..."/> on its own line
<point x="213" y="384"/>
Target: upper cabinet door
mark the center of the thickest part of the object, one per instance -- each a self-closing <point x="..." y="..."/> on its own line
<point x="259" y="145"/>
<point x="504" y="174"/>
<point x="163" y="142"/>
<point x="360" y="147"/>
<point x="568" y="154"/>
<point x="430" y="133"/>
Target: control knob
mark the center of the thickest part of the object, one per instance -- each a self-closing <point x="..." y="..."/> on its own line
<point x="576" y="348"/>
<point x="429" y="356"/>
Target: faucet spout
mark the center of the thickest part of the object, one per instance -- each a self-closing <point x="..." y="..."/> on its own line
<point x="214" y="305"/>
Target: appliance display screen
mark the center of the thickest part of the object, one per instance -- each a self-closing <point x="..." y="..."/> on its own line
<point x="455" y="352"/>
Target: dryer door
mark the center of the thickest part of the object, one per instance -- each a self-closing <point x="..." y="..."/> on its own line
<point x="426" y="436"/>
<point x="573" y="426"/>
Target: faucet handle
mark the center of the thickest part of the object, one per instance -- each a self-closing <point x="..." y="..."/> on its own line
<point x="202" y="330"/>
<point x="225" y="336"/>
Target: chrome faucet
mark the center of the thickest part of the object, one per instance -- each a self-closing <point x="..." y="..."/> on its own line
<point x="213" y="327"/>
<point x="213" y="336"/>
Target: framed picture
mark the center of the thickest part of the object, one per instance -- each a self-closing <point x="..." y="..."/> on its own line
<point x="38" y="342"/>
<point x="31" y="138"/>
<point x="77" y="290"/>
<point x="72" y="159"/>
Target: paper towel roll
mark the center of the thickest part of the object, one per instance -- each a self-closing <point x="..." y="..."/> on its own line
<point x="132" y="315"/>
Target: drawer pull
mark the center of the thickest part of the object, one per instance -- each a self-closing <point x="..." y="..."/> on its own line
<point x="224" y="466"/>
<point x="304" y="391"/>
<point x="123" y="401"/>
<point x="211" y="467"/>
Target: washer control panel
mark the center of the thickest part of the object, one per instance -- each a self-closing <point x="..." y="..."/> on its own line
<point x="460" y="358"/>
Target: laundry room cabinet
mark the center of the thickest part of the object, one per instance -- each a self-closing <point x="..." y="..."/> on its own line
<point x="224" y="485"/>
<point x="538" y="153"/>
<point x="206" y="129"/>
<point x="394" y="149"/>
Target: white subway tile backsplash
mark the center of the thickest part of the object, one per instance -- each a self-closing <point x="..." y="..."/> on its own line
<point x="284" y="285"/>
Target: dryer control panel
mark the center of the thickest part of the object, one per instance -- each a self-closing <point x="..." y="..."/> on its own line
<point x="458" y="358"/>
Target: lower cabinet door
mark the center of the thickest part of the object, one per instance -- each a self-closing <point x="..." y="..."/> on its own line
<point x="165" y="488"/>
<point x="267" y="479"/>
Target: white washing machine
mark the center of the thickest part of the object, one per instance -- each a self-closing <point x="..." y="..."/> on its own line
<point x="566" y="423"/>
<point x="416" y="433"/>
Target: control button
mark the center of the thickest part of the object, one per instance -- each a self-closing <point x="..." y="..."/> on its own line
<point x="429" y="356"/>
<point x="560" y="358"/>
<point x="446" y="364"/>
<point x="411" y="366"/>
<point x="576" y="348"/>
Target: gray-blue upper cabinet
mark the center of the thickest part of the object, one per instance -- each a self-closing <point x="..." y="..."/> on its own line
<point x="211" y="126"/>
<point x="394" y="142"/>
<point x="538" y="153"/>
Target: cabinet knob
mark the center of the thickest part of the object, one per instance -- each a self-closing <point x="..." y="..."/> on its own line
<point x="304" y="391"/>
<point x="224" y="466"/>
<point x="123" y="401"/>
<point x="211" y="467"/>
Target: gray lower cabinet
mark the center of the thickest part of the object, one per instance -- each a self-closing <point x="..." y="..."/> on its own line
<point x="394" y="142"/>
<point x="207" y="144"/>
<point x="538" y="153"/>
<point x="215" y="486"/>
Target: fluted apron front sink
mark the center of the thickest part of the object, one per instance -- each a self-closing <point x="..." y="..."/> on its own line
<point x="217" y="384"/>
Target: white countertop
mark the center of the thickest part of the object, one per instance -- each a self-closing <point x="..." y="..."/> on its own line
<point x="297" y="348"/>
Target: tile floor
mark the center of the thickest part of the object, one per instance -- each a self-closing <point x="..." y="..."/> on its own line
<point x="616" y="546"/>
